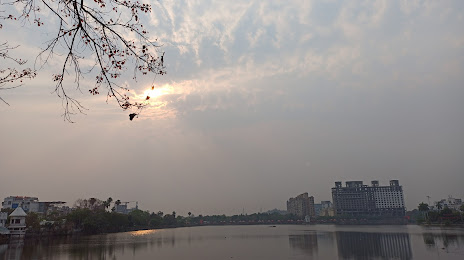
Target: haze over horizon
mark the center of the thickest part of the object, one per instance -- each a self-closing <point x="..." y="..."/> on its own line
<point x="262" y="101"/>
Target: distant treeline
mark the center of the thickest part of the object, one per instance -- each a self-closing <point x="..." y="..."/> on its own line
<point x="438" y="214"/>
<point x="94" y="216"/>
<point x="94" y="221"/>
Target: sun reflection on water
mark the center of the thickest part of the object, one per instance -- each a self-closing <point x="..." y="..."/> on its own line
<point x="142" y="232"/>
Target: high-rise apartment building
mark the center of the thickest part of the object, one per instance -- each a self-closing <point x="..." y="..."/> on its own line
<point x="357" y="199"/>
<point x="301" y="206"/>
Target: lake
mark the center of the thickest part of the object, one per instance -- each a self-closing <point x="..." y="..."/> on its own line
<point x="252" y="242"/>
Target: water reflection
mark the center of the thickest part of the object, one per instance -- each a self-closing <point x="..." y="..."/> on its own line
<point x="13" y="250"/>
<point x="250" y="242"/>
<point x="357" y="245"/>
<point x="142" y="232"/>
<point x="446" y="241"/>
<point x="306" y="243"/>
<point x="98" y="247"/>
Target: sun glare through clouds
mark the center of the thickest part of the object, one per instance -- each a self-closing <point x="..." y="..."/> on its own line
<point x="155" y="104"/>
<point x="155" y="92"/>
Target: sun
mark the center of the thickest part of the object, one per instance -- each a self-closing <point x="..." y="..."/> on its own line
<point x="154" y="93"/>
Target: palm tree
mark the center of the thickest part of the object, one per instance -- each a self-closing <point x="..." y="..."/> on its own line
<point x="107" y="203"/>
<point x="438" y="204"/>
<point x="424" y="207"/>
<point x="190" y="213"/>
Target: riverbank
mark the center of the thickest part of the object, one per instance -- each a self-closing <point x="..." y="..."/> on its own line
<point x="31" y="236"/>
<point x="459" y="225"/>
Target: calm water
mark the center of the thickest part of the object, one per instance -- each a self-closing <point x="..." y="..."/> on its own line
<point x="253" y="242"/>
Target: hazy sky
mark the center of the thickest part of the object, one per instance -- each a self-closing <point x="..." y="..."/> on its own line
<point x="263" y="100"/>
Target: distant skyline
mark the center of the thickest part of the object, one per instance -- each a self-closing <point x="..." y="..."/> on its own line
<point x="262" y="101"/>
<point x="133" y="203"/>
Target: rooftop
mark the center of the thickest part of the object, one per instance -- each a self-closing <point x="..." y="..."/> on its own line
<point x="18" y="212"/>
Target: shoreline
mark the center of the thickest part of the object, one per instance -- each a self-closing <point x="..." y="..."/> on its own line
<point x="32" y="237"/>
<point x="39" y="236"/>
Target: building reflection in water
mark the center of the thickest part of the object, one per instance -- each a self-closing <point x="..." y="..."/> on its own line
<point x="12" y="251"/>
<point x="433" y="241"/>
<point x="306" y="243"/>
<point x="357" y="245"/>
<point x="98" y="247"/>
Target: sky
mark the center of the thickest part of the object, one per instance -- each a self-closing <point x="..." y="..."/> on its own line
<point x="262" y="101"/>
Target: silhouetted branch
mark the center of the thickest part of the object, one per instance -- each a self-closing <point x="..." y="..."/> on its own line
<point x="11" y="78"/>
<point x="95" y="30"/>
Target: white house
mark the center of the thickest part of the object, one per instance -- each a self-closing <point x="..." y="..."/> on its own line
<point x="17" y="225"/>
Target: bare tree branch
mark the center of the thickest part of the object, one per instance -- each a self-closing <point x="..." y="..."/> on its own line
<point x="11" y="78"/>
<point x="95" y="30"/>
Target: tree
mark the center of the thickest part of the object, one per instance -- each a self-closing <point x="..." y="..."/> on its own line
<point x="423" y="206"/>
<point x="155" y="220"/>
<point x="189" y="213"/>
<point x="169" y="220"/>
<point x="107" y="203"/>
<point x="446" y="211"/>
<point x="33" y="221"/>
<point x="92" y="204"/>
<point x="108" y="32"/>
<point x="139" y="217"/>
<point x="11" y="77"/>
<point x="439" y="205"/>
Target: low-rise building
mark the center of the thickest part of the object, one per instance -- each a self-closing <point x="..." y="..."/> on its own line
<point x="32" y="204"/>
<point x="17" y="224"/>
<point x="327" y="209"/>
<point x="451" y="203"/>
<point x="3" y="218"/>
<point x="317" y="208"/>
<point x="27" y="203"/>
<point x="123" y="209"/>
<point x="324" y="209"/>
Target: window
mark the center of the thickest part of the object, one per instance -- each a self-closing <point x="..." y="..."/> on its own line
<point x="17" y="221"/>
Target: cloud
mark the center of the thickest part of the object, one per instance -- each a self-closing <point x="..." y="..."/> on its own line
<point x="256" y="89"/>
